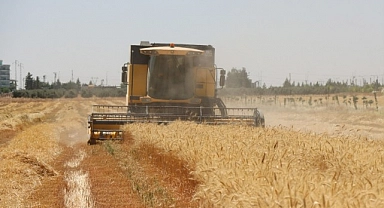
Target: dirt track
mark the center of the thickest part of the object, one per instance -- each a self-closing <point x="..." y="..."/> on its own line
<point x="103" y="176"/>
<point x="88" y="176"/>
<point x="91" y="176"/>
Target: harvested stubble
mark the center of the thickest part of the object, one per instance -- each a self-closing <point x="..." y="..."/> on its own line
<point x="17" y="114"/>
<point x="78" y="192"/>
<point x="24" y="162"/>
<point x="240" y="166"/>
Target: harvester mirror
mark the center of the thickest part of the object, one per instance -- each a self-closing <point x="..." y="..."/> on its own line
<point x="124" y="73"/>
<point x="222" y="78"/>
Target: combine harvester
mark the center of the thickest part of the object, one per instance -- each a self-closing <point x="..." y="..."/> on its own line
<point x="168" y="82"/>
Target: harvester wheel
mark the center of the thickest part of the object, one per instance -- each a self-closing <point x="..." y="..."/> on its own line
<point x="207" y="107"/>
<point x="92" y="141"/>
<point x="223" y="109"/>
<point x="259" y="119"/>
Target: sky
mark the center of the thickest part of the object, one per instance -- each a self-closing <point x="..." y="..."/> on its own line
<point x="304" y="40"/>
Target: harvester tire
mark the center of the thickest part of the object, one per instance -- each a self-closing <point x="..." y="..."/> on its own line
<point x="223" y="109"/>
<point x="259" y="119"/>
<point x="92" y="141"/>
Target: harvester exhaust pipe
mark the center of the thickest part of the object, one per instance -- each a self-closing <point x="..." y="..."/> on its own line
<point x="259" y="118"/>
<point x="222" y="78"/>
<point x="125" y="79"/>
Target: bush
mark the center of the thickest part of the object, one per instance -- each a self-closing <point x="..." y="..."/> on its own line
<point x="40" y="93"/>
<point x="70" y="94"/>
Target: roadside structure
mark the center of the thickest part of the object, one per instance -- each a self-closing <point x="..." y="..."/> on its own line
<point x="5" y="77"/>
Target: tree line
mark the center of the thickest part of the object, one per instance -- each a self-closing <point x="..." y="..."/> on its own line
<point x="35" y="88"/>
<point x="237" y="82"/>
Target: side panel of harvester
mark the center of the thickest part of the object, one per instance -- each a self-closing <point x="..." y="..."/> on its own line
<point x="137" y="75"/>
<point x="205" y="82"/>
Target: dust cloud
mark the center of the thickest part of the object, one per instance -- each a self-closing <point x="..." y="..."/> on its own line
<point x="332" y="120"/>
<point x="72" y="120"/>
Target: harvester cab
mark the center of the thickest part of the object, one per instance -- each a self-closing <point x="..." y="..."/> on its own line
<point x="168" y="82"/>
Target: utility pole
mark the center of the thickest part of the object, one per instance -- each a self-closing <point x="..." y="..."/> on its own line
<point x="21" y="77"/>
<point x="289" y="78"/>
<point x="15" y="74"/>
<point x="54" y="79"/>
<point x="106" y="78"/>
<point x="382" y="78"/>
<point x="72" y="76"/>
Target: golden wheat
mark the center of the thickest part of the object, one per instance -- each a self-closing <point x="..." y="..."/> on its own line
<point x="240" y="166"/>
<point x="24" y="162"/>
<point x="78" y="191"/>
<point x="15" y="114"/>
<point x="236" y="166"/>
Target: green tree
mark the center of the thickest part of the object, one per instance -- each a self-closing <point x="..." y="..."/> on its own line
<point x="238" y="78"/>
<point x="57" y="84"/>
<point x="78" y="84"/>
<point x="287" y="83"/>
<point x="29" y="82"/>
<point x="37" y="83"/>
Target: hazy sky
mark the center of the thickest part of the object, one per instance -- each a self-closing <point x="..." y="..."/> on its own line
<point x="309" y="40"/>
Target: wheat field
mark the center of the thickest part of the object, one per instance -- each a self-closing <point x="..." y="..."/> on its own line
<point x="307" y="156"/>
<point x="241" y="166"/>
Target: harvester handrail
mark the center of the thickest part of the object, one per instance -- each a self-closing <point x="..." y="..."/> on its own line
<point x="120" y="114"/>
<point x="170" y="107"/>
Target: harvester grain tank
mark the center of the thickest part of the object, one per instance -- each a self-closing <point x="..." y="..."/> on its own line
<point x="168" y="82"/>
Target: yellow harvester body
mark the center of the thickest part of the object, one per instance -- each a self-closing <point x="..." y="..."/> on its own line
<point x="167" y="82"/>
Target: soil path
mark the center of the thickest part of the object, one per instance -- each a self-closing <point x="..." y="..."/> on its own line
<point x="88" y="176"/>
<point x="93" y="176"/>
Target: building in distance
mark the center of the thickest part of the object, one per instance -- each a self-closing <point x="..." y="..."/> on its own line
<point x="5" y="78"/>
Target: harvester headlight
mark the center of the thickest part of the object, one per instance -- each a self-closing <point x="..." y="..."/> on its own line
<point x="194" y="53"/>
<point x="145" y="99"/>
<point x="149" y="52"/>
<point x="195" y="101"/>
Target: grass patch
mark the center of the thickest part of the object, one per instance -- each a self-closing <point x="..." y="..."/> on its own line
<point x="108" y="145"/>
